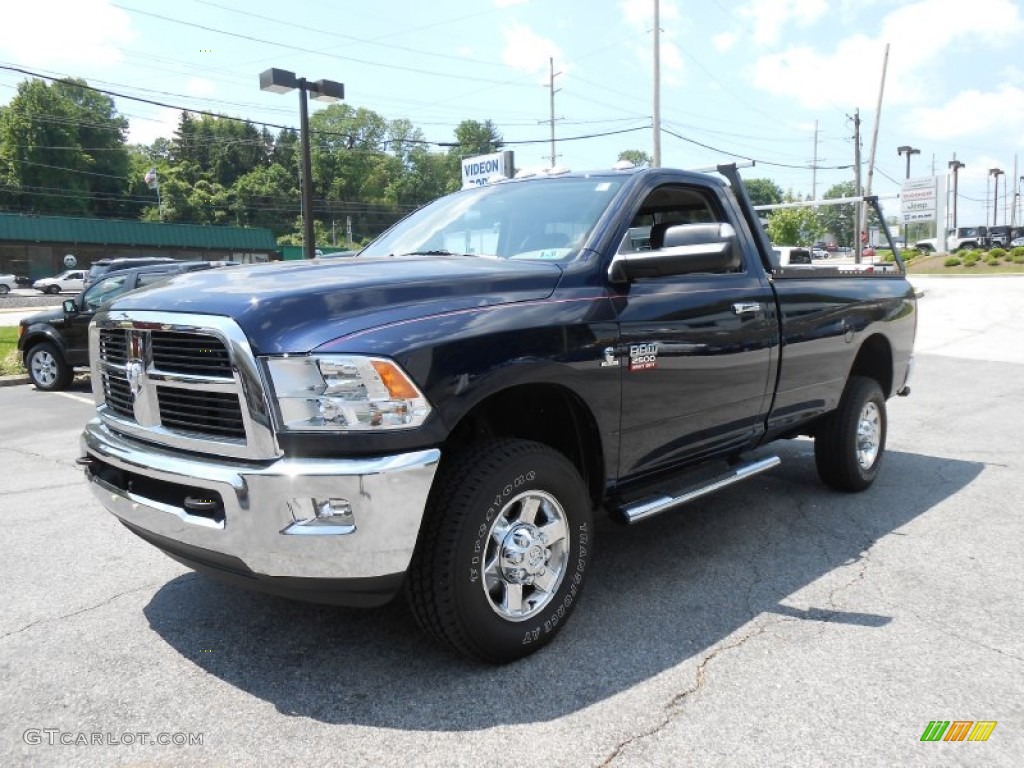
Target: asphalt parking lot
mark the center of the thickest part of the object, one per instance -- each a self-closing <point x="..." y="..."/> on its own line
<point x="776" y="623"/>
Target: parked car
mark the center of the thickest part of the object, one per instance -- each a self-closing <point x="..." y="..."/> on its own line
<point x="1017" y="242"/>
<point x="55" y="342"/>
<point x="790" y="254"/>
<point x="106" y="266"/>
<point x="7" y="284"/>
<point x="73" y="281"/>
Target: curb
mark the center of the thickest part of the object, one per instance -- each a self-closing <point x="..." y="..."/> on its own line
<point x="11" y="381"/>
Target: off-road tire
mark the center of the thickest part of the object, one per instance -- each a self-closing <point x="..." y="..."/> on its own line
<point x="480" y="499"/>
<point x="850" y="443"/>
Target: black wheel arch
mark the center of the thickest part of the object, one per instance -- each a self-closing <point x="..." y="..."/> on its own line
<point x="546" y="413"/>
<point x="874" y="360"/>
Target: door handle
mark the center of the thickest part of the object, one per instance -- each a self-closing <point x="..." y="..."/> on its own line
<point x="747" y="308"/>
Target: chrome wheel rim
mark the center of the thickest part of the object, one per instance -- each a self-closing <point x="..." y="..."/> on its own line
<point x="869" y="435"/>
<point x="526" y="556"/>
<point x="44" y="368"/>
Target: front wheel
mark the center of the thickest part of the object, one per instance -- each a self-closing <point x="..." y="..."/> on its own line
<point x="849" y="445"/>
<point x="53" y="289"/>
<point x="503" y="550"/>
<point x="47" y="368"/>
<point x="4" y="290"/>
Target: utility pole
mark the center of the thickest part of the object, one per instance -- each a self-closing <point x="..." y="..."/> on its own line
<point x="551" y="96"/>
<point x="955" y="165"/>
<point x="814" y="165"/>
<point x="859" y="206"/>
<point x="656" y="161"/>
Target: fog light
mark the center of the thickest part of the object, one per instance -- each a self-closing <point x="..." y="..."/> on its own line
<point x="321" y="517"/>
<point x="335" y="510"/>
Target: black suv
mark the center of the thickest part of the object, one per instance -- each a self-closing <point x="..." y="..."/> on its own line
<point x="55" y="342"/>
<point x="106" y="266"/>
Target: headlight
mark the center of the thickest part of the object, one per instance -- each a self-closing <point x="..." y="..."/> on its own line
<point x="345" y="392"/>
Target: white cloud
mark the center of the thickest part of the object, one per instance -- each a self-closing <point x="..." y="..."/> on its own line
<point x="972" y="113"/>
<point x="162" y="123"/>
<point x="62" y="34"/>
<point x="770" y="17"/>
<point x="725" y="41"/>
<point x="200" y="86"/>
<point x="527" y="51"/>
<point x="850" y="72"/>
<point x="639" y="15"/>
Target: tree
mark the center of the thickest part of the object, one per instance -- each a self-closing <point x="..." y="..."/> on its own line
<point x="62" y="150"/>
<point x="763" y="191"/>
<point x="794" y="226"/>
<point x="838" y="220"/>
<point x="637" y="157"/>
<point x="475" y="138"/>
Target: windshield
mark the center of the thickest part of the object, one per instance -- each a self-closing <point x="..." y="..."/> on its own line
<point x="537" y="219"/>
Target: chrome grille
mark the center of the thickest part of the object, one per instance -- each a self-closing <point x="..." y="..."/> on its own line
<point x="191" y="354"/>
<point x="186" y="381"/>
<point x="114" y="346"/>
<point x="117" y="394"/>
<point x="204" y="413"/>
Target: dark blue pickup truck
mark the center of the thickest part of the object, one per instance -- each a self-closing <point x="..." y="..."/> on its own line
<point x="444" y="413"/>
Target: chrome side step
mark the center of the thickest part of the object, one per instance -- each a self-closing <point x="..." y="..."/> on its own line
<point x="648" y="507"/>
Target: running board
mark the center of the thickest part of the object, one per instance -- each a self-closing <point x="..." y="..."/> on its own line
<point x="648" y="507"/>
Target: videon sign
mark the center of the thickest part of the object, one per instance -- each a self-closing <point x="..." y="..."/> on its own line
<point x="477" y="170"/>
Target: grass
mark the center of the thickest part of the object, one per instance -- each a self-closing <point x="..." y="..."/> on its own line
<point x="934" y="265"/>
<point x="10" y="358"/>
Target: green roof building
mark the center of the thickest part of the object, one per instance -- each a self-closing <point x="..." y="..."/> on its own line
<point x="36" y="246"/>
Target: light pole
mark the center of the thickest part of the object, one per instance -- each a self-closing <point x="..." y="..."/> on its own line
<point x="282" y="81"/>
<point x="955" y="165"/>
<point x="908" y="151"/>
<point x="997" y="172"/>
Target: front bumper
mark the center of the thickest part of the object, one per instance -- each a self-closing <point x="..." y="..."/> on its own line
<point x="256" y="531"/>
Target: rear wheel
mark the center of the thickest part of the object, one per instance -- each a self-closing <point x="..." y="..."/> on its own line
<point x="4" y="289"/>
<point x="47" y="368"/>
<point x="503" y="550"/>
<point x="849" y="445"/>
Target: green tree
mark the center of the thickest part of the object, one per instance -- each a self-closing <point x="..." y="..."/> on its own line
<point x="838" y="220"/>
<point x="476" y="138"/>
<point x="794" y="226"/>
<point x="637" y="157"/>
<point x="62" y="150"/>
<point x="763" y="191"/>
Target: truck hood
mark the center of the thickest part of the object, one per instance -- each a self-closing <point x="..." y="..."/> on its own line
<point x="293" y="307"/>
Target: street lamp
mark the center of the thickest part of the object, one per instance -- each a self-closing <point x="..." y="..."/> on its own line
<point x="955" y="165"/>
<point x="908" y="151"/>
<point x="997" y="172"/>
<point x="282" y="81"/>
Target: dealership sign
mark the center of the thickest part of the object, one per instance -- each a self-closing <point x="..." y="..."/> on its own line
<point x="477" y="171"/>
<point x="918" y="199"/>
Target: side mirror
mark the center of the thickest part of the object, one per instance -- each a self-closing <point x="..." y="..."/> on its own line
<point x="70" y="307"/>
<point x="680" y="250"/>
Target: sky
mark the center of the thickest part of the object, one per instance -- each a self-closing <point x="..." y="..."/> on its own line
<point x="740" y="79"/>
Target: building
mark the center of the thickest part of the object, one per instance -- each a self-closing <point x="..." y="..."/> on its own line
<point x="37" y="246"/>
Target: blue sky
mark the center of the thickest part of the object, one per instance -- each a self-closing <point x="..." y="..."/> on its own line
<point x="744" y="78"/>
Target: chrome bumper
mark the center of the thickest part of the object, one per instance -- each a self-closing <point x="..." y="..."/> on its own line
<point x="266" y="503"/>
